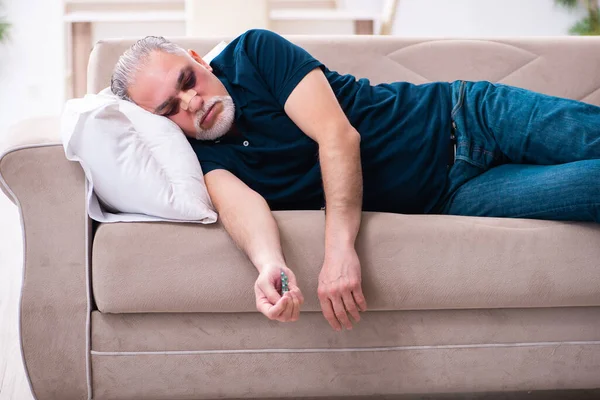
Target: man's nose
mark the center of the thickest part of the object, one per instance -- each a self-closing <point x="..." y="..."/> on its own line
<point x="196" y="104"/>
<point x="190" y="101"/>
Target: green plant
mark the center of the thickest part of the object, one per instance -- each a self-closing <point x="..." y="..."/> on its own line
<point x="589" y="25"/>
<point x="3" y="29"/>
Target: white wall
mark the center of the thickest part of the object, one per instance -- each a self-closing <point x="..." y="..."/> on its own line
<point x="31" y="63"/>
<point x="482" y="18"/>
<point x="107" y="30"/>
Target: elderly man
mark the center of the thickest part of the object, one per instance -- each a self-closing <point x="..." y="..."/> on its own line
<point x="274" y="128"/>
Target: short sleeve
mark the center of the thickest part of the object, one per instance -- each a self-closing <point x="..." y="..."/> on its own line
<point x="280" y="63"/>
<point x="212" y="156"/>
<point x="208" y="166"/>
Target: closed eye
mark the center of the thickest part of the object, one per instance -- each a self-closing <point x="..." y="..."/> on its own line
<point x="185" y="82"/>
<point x="189" y="81"/>
<point x="173" y="108"/>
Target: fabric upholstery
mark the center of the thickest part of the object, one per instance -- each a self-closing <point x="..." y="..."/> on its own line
<point x="34" y="131"/>
<point x="260" y="375"/>
<point x="49" y="191"/>
<point x="238" y="331"/>
<point x="387" y="352"/>
<point x="409" y="262"/>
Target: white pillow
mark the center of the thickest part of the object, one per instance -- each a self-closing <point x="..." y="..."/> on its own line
<point x="139" y="165"/>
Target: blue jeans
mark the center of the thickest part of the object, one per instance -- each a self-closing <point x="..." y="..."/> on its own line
<point x="522" y="154"/>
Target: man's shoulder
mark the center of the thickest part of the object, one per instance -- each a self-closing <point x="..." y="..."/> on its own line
<point x="260" y="41"/>
<point x="248" y="44"/>
<point x="256" y="34"/>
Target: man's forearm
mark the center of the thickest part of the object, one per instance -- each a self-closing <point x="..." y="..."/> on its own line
<point x="342" y="181"/>
<point x="253" y="228"/>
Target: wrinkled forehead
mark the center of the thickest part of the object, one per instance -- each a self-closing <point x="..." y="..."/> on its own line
<point x="157" y="78"/>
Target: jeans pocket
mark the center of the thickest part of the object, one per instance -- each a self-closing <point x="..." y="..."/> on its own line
<point x="475" y="143"/>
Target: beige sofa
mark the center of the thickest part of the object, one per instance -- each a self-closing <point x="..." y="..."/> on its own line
<point x="456" y="304"/>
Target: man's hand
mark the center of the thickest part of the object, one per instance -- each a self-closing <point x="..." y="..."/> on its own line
<point x="313" y="107"/>
<point x="340" y="289"/>
<point x="248" y="220"/>
<point x="268" y="298"/>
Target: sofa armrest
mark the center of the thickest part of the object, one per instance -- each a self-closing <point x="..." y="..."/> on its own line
<point x="27" y="133"/>
<point x="54" y="310"/>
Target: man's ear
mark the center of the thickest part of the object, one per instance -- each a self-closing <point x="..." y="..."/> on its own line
<point x="199" y="60"/>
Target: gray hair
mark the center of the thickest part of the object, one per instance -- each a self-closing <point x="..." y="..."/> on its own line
<point x="134" y="59"/>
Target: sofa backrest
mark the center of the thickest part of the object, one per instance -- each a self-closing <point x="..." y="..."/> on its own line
<point x="560" y="66"/>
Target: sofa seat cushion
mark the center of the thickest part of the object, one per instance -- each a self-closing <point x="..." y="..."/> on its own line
<point x="409" y="262"/>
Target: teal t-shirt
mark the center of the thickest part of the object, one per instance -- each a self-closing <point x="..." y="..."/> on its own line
<point x="404" y="128"/>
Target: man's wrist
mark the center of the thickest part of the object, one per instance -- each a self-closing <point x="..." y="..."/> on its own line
<point x="335" y="249"/>
<point x="262" y="266"/>
<point x="341" y="229"/>
<point x="339" y="244"/>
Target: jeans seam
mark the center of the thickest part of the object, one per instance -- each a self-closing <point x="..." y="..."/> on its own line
<point x="592" y="204"/>
<point x="470" y="161"/>
<point x="484" y="151"/>
<point x="460" y="101"/>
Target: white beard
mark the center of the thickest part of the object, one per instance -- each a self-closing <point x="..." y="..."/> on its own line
<point x="222" y="123"/>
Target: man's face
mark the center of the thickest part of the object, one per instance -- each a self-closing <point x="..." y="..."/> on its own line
<point x="185" y="90"/>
